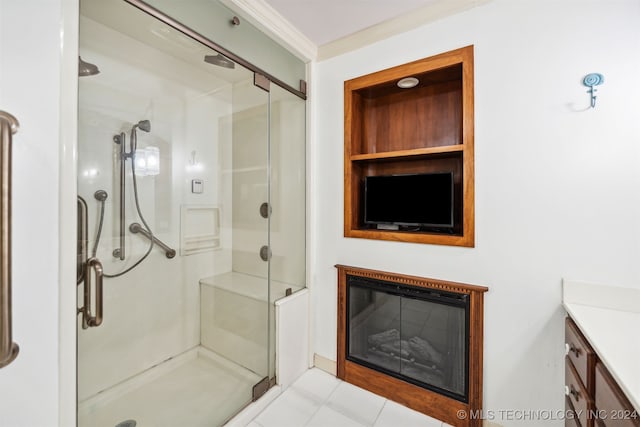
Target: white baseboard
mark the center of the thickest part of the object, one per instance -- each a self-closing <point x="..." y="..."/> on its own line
<point x="325" y="364"/>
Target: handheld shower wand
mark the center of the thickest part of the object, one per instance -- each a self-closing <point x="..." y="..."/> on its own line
<point x="144" y="125"/>
<point x="101" y="196"/>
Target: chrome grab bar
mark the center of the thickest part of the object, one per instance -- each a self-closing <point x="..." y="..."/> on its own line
<point x="137" y="228"/>
<point x="83" y="239"/>
<point x="87" y="319"/>
<point x="8" y="349"/>
<point x="120" y="139"/>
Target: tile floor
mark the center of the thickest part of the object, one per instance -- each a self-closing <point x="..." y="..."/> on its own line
<point x="318" y="399"/>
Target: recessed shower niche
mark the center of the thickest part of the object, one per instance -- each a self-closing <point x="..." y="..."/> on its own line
<point x="170" y="280"/>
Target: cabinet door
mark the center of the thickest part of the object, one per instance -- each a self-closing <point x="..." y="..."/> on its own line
<point x="613" y="407"/>
<point x="571" y="416"/>
<point x="578" y="396"/>
<point x="580" y="354"/>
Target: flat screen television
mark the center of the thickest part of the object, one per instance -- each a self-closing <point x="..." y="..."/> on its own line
<point x="414" y="200"/>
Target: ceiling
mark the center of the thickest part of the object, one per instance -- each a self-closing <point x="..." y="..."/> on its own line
<point x="324" y="21"/>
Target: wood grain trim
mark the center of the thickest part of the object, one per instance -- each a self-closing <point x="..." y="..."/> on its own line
<point x="431" y="63"/>
<point x="468" y="154"/>
<point x="342" y="323"/>
<point x="410" y="280"/>
<point x="408" y="153"/>
<point x="428" y="402"/>
<point x="353" y="134"/>
<point x="409" y="237"/>
<point x="349" y="210"/>
<point x="476" y="351"/>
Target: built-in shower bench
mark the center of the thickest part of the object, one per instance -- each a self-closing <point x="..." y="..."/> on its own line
<point x="249" y="286"/>
<point x="238" y="324"/>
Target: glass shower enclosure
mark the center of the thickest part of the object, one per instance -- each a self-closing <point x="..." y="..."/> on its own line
<point x="191" y="222"/>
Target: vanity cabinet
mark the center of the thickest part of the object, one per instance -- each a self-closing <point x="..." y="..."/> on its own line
<point x="579" y="377"/>
<point x="593" y="398"/>
<point x="613" y="406"/>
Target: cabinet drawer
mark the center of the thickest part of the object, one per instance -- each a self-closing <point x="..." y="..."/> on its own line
<point x="581" y="354"/>
<point x="571" y="417"/>
<point x="577" y="395"/>
<point x="611" y="403"/>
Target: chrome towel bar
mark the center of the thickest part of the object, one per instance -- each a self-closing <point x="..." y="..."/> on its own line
<point x="8" y="349"/>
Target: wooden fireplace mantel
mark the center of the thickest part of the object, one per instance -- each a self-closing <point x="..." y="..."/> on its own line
<point x="436" y="405"/>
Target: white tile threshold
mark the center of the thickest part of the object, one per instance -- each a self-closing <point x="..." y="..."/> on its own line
<point x="318" y="399"/>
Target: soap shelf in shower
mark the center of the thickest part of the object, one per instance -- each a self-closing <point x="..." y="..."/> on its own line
<point x="199" y="229"/>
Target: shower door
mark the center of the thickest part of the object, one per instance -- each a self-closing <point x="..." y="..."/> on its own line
<point x="174" y="149"/>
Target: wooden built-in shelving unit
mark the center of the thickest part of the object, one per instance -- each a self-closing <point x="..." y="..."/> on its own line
<point x="428" y="128"/>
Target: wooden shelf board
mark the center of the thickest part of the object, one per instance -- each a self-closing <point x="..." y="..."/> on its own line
<point x="412" y="237"/>
<point x="409" y="153"/>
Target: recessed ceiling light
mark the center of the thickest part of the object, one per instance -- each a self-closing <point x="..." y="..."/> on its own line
<point x="408" y="82"/>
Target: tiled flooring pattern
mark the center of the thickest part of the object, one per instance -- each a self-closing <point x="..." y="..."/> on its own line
<point x="318" y="399"/>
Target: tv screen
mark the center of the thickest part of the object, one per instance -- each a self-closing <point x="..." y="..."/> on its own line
<point x="418" y="200"/>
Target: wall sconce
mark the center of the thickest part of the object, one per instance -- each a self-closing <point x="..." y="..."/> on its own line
<point x="147" y="161"/>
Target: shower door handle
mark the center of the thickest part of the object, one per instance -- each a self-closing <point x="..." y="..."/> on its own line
<point x="87" y="319"/>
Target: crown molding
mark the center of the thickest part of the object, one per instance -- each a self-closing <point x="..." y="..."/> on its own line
<point x="267" y="19"/>
<point x="395" y="26"/>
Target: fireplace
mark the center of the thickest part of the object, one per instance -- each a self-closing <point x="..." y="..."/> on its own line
<point x="415" y="334"/>
<point x="414" y="340"/>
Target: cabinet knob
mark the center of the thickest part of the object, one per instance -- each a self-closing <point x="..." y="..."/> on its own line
<point x="570" y="390"/>
<point x="570" y="348"/>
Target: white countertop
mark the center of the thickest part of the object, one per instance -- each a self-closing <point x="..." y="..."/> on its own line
<point x="609" y="317"/>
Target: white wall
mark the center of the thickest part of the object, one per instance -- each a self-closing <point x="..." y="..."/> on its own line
<point x="30" y="88"/>
<point x="557" y="186"/>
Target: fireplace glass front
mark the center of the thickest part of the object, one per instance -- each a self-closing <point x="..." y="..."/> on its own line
<point x="415" y="334"/>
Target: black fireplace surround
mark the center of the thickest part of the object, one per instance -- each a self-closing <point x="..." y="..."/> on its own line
<point x="415" y="334"/>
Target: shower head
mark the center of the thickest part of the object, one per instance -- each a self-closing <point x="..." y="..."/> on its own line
<point x="87" y="68"/>
<point x="144" y="125"/>
<point x="220" y="60"/>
